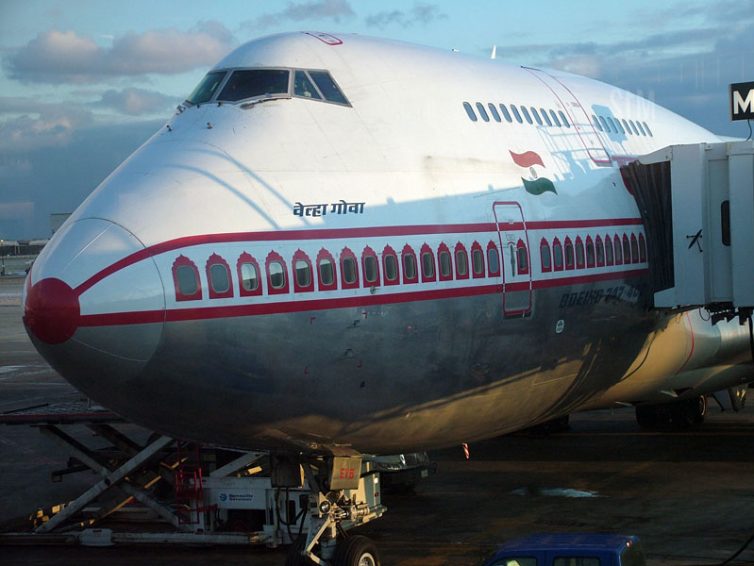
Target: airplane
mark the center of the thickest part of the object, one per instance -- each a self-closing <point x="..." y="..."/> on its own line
<point x="347" y="245"/>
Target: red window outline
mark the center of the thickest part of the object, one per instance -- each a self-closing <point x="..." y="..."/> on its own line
<point x="490" y="247"/>
<point x="556" y="245"/>
<point x="409" y="251"/>
<point x="609" y="254"/>
<point x="521" y="249"/>
<point x="215" y="259"/>
<point x="580" y="255"/>
<point x="183" y="261"/>
<point x="642" y="249"/>
<point x="477" y="247"/>
<point x="300" y="255"/>
<point x="243" y="259"/>
<point x="271" y="257"/>
<point x="599" y="251"/>
<point x="590" y="257"/>
<point x="460" y="248"/>
<point x="626" y="250"/>
<point x="426" y="251"/>
<point x="442" y="248"/>
<point x="390" y="252"/>
<point x="321" y="285"/>
<point x="634" y="249"/>
<point x="345" y="254"/>
<point x="369" y="252"/>
<point x="544" y="252"/>
<point x="618" y="250"/>
<point x="570" y="262"/>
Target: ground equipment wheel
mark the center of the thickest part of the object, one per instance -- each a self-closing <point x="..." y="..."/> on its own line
<point x="295" y="558"/>
<point x="356" y="550"/>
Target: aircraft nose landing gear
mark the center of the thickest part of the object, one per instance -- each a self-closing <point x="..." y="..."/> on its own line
<point x="344" y="493"/>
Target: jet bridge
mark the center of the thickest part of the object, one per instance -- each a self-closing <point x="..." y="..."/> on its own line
<point x="697" y="203"/>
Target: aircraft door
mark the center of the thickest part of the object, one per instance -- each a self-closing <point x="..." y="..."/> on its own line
<point x="516" y="258"/>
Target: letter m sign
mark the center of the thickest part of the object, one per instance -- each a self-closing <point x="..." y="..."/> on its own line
<point x="742" y="101"/>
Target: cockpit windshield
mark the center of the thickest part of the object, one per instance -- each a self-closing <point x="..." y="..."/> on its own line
<point x="207" y="87"/>
<point x="252" y="83"/>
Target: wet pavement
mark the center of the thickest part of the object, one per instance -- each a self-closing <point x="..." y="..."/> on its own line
<point x="688" y="495"/>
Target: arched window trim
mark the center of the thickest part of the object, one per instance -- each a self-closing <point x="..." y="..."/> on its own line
<point x="216" y="259"/>
<point x="271" y="257"/>
<point x="556" y="244"/>
<point x="599" y="251"/>
<point x="642" y="249"/>
<point x="626" y="250"/>
<point x="634" y="249"/>
<point x="493" y="273"/>
<point x="409" y="251"/>
<point x="369" y="252"/>
<point x="544" y="252"/>
<point x="618" y="250"/>
<point x="389" y="251"/>
<point x="521" y="245"/>
<point x="183" y="261"/>
<point x="440" y="249"/>
<point x="321" y="285"/>
<point x="580" y="253"/>
<point x="569" y="245"/>
<point x="459" y="247"/>
<point x="300" y="255"/>
<point x="478" y="247"/>
<point x="609" y="254"/>
<point x="344" y="254"/>
<point x="248" y="258"/>
<point x="591" y="258"/>
<point x="425" y="249"/>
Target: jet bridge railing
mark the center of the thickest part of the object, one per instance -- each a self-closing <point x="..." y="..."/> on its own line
<point x="697" y="203"/>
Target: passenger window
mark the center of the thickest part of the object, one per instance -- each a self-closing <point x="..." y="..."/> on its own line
<point x="525" y="112"/>
<point x="634" y="249"/>
<point x="469" y="111"/>
<point x="409" y="268"/>
<point x="252" y="83"/>
<point x="589" y="252"/>
<point x="428" y="266"/>
<point x="626" y="250"/>
<point x="522" y="258"/>
<point x="516" y="114"/>
<point x="642" y="249"/>
<point x="563" y="119"/>
<point x="608" y="250"/>
<point x="557" y="255"/>
<point x="303" y="273"/>
<point x="462" y="263"/>
<point x="569" y="258"/>
<point x="604" y="124"/>
<point x="391" y="268"/>
<point x="493" y="260"/>
<point x="579" y="253"/>
<point x="596" y="122"/>
<point x="350" y="275"/>
<point x="482" y="111"/>
<point x="506" y="114"/>
<point x="646" y="126"/>
<point x="555" y="118"/>
<point x="370" y="269"/>
<point x="207" y="87"/>
<point x="445" y="264"/>
<point x="277" y="274"/>
<point x="249" y="277"/>
<point x="537" y="119"/>
<point x="328" y="87"/>
<point x="219" y="278"/>
<point x="612" y="124"/>
<point x="626" y="126"/>
<point x="641" y="128"/>
<point x="477" y="261"/>
<point x="494" y="112"/>
<point x="545" y="117"/>
<point x="633" y="127"/>
<point x="304" y="87"/>
<point x="600" y="249"/>
<point x="187" y="280"/>
<point x="544" y="252"/>
<point x="620" y="126"/>
<point x="618" y="251"/>
<point x="326" y="272"/>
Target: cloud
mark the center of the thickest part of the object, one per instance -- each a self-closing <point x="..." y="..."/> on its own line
<point x="31" y="126"/>
<point x="136" y="101"/>
<point x="421" y="13"/>
<point x="65" y="57"/>
<point x="335" y="10"/>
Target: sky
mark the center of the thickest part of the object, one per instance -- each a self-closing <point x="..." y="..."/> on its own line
<point x="83" y="83"/>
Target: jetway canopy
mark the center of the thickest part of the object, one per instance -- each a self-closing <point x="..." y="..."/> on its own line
<point x="697" y="203"/>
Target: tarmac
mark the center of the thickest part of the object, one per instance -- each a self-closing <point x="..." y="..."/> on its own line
<point x="688" y="495"/>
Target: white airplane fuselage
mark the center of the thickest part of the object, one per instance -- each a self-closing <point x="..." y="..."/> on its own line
<point x="178" y="293"/>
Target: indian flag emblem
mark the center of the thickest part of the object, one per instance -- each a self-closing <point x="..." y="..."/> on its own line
<point x="535" y="184"/>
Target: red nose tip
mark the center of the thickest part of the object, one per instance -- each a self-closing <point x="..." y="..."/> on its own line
<point x="52" y="311"/>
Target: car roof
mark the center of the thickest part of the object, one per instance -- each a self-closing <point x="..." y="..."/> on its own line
<point x="563" y="541"/>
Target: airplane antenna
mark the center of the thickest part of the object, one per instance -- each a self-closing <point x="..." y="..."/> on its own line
<point x="493" y="55"/>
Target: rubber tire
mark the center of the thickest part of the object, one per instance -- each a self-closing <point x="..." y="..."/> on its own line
<point x="356" y="550"/>
<point x="294" y="557"/>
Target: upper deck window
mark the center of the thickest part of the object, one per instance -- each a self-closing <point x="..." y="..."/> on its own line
<point x="328" y="87"/>
<point x="482" y="111"/>
<point x="507" y="114"/>
<point x="470" y="112"/>
<point x="251" y="83"/>
<point x="205" y="90"/>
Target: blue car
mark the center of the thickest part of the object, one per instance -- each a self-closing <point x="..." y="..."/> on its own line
<point x="570" y="549"/>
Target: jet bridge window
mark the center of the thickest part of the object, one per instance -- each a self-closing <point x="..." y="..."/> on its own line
<point x="205" y="90"/>
<point x="252" y="83"/>
<point x="328" y="87"/>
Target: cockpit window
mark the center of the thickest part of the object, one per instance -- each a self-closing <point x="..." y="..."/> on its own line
<point x="253" y="83"/>
<point x="328" y="87"/>
<point x="304" y="87"/>
<point x="207" y="87"/>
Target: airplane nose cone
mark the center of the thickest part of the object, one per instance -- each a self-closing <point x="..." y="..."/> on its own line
<point x="52" y="311"/>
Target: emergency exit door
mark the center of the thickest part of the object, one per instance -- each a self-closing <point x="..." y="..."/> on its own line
<point x="516" y="259"/>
